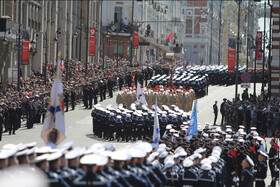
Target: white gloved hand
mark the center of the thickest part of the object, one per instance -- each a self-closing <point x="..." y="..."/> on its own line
<point x="254" y="171"/>
<point x="276" y="156"/>
<point x="235" y="179"/>
<point x="276" y="169"/>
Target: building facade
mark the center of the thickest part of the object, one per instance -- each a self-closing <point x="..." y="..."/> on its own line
<point x="50" y="27"/>
<point x="202" y="36"/>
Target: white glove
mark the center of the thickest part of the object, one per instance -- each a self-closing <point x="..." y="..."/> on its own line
<point x="254" y="171"/>
<point x="276" y="169"/>
<point x="235" y="179"/>
<point x="276" y="156"/>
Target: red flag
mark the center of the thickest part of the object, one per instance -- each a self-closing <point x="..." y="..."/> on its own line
<point x="263" y="137"/>
<point x="253" y="149"/>
<point x="275" y="147"/>
<point x="276" y="132"/>
<point x="61" y="65"/>
<point x="170" y="36"/>
<point x="133" y="78"/>
<point x="233" y="153"/>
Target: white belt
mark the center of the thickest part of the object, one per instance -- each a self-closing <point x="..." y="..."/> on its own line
<point x="259" y="179"/>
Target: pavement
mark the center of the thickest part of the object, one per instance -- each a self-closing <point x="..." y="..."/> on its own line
<point x="79" y="121"/>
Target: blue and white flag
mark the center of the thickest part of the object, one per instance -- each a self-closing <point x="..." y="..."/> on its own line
<point x="53" y="131"/>
<point x="193" y="123"/>
<point x="156" y="134"/>
<point x="139" y="95"/>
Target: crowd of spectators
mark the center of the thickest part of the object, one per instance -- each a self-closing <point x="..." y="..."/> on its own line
<point x="31" y="101"/>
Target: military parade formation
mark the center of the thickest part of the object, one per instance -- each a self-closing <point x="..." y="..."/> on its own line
<point x="211" y="158"/>
<point x="234" y="154"/>
<point x="165" y="96"/>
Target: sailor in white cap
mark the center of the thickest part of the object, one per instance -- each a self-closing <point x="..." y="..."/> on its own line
<point x="172" y="177"/>
<point x="261" y="169"/>
<point x="73" y="162"/>
<point x="132" y="179"/>
<point x="189" y="175"/>
<point x="91" y="178"/>
<point x="205" y="178"/>
<point x="246" y="175"/>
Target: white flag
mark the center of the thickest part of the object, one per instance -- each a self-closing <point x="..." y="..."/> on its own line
<point x="54" y="124"/>
<point x="139" y="95"/>
<point x="156" y="134"/>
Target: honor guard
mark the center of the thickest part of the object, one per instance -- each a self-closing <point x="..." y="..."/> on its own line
<point x="189" y="175"/>
<point x="246" y="175"/>
<point x="205" y="178"/>
<point x="261" y="169"/>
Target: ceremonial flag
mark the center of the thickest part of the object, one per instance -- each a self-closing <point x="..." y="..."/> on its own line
<point x="53" y="131"/>
<point x="156" y="134"/>
<point x="193" y="123"/>
<point x="170" y="36"/>
<point x="139" y="94"/>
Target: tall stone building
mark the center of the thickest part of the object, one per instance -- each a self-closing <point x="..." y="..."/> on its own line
<point x="275" y="66"/>
<point x="202" y="33"/>
<point x="49" y="26"/>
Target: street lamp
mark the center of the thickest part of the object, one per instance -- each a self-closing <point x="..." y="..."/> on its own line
<point x="237" y="56"/>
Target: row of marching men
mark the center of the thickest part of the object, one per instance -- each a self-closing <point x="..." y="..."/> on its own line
<point x="134" y="123"/>
<point x="98" y="165"/>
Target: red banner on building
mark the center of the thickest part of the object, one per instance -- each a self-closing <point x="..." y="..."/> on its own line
<point x="25" y="53"/>
<point x="231" y="60"/>
<point x="92" y="32"/>
<point x="259" y="45"/>
<point x="135" y="40"/>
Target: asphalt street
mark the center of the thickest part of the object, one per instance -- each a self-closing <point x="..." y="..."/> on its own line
<point x="79" y="121"/>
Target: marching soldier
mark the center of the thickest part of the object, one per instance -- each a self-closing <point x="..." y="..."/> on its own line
<point x="189" y="175"/>
<point x="90" y="96"/>
<point x="2" y="122"/>
<point x="261" y="170"/>
<point x="128" y="127"/>
<point x="206" y="178"/>
<point x="246" y="175"/>
<point x="272" y="160"/>
<point x="73" y="98"/>
<point x="110" y="87"/>
<point x="85" y="96"/>
<point x="223" y="110"/>
<point x="95" y="93"/>
<point x="66" y="100"/>
<point x="215" y="108"/>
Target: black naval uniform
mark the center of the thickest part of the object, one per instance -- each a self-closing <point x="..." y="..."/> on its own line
<point x="90" y="97"/>
<point x="66" y="101"/>
<point x="73" y="98"/>
<point x="246" y="178"/>
<point x="1" y="124"/>
<point x="189" y="177"/>
<point x="215" y="108"/>
<point x="261" y="174"/>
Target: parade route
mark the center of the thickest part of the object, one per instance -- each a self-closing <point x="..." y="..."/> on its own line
<point x="79" y="121"/>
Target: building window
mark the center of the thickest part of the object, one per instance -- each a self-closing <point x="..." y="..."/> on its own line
<point x="117" y="14"/>
<point x="120" y="51"/>
<point x="202" y="46"/>
<point x="202" y="29"/>
<point x="195" y="46"/>
<point x="189" y="26"/>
